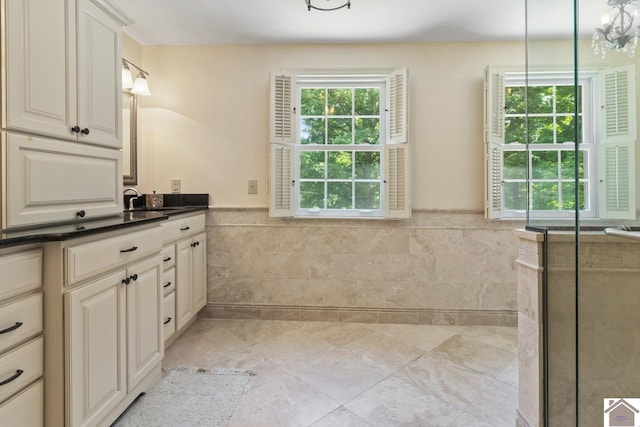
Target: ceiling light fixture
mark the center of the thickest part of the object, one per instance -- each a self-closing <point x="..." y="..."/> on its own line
<point x="617" y="32"/>
<point x="346" y="4"/>
<point x="140" y="86"/>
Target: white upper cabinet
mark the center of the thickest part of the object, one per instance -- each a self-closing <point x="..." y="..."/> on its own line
<point x="63" y="69"/>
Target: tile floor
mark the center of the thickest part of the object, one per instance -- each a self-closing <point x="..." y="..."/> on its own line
<point x="325" y="374"/>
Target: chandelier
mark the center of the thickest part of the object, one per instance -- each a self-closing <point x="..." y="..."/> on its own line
<point x="330" y="7"/>
<point x="617" y="32"/>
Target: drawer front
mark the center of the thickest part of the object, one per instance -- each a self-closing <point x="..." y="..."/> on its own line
<point x="25" y="409"/>
<point x="49" y="180"/>
<point x="169" y="315"/>
<point x="20" y="321"/>
<point x="169" y="281"/>
<point x="168" y="256"/>
<point x="89" y="259"/>
<point x="20" y="272"/>
<point x="180" y="226"/>
<point x="20" y="367"/>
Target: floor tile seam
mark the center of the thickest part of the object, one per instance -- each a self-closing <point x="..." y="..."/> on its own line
<point x="476" y="371"/>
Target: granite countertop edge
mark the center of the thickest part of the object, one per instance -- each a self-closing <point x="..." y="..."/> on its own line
<point x="62" y="232"/>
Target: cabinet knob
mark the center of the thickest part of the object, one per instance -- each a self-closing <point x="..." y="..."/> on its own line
<point x="126" y="281"/>
<point x="85" y="131"/>
<point x="81" y="213"/>
<point x="75" y="129"/>
<point x="134" y="277"/>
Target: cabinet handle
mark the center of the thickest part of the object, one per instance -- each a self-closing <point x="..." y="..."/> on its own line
<point x="167" y="259"/>
<point x="167" y="321"/>
<point x="131" y="249"/>
<point x="12" y="377"/>
<point x="85" y="131"/>
<point x="81" y="213"/>
<point x="185" y="228"/>
<point x="134" y="277"/>
<point x="11" y="328"/>
<point x="75" y="129"/>
<point x="126" y="281"/>
<point x="194" y="244"/>
<point x="167" y="285"/>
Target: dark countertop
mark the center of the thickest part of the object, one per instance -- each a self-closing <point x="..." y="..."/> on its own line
<point x="68" y="231"/>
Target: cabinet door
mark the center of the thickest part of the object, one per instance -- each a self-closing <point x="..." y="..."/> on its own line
<point x="48" y="180"/>
<point x="25" y="409"/>
<point x="37" y="95"/>
<point x="145" y="345"/>
<point x="184" y="290"/>
<point x="98" y="75"/>
<point x="199" y="257"/>
<point x="96" y="358"/>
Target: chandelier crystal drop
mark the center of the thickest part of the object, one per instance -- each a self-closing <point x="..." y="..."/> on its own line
<point x="618" y="31"/>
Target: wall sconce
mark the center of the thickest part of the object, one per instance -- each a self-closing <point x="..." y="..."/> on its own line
<point x="140" y="86"/>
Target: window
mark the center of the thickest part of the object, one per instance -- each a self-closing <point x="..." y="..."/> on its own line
<point x="339" y="146"/>
<point x="550" y="158"/>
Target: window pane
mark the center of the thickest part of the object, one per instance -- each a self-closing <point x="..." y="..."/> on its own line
<point x="367" y="131"/>
<point x="339" y="165"/>
<point x="514" y="130"/>
<point x="545" y="196"/>
<point x="312" y="164"/>
<point x="540" y="99"/>
<point x="565" y="99"/>
<point x="312" y="195"/>
<point x="514" y="100"/>
<point x="544" y="164"/>
<point x="515" y="165"/>
<point x="569" y="196"/>
<point x="367" y="102"/>
<point x="541" y="130"/>
<point x="312" y="131"/>
<point x="312" y="101"/>
<point x="367" y="195"/>
<point x="568" y="164"/>
<point x="367" y="165"/>
<point x="515" y="196"/>
<point x="339" y="131"/>
<point x="339" y="102"/>
<point x="566" y="130"/>
<point x="339" y="195"/>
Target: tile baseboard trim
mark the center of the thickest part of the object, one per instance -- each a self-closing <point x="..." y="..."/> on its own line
<point x="361" y="315"/>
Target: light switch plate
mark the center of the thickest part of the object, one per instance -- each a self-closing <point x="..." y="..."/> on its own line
<point x="253" y="186"/>
<point x="175" y="186"/>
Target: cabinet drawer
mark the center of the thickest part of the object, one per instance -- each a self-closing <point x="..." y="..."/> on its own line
<point x="24" y="364"/>
<point x="169" y="315"/>
<point x="169" y="280"/>
<point x="49" y="180"/>
<point x="26" y="409"/>
<point x="168" y="256"/>
<point x="20" y="320"/>
<point x="90" y="259"/>
<point x="20" y="273"/>
<point x="182" y="226"/>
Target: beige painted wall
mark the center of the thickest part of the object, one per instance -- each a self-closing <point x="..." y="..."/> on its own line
<point x="207" y="121"/>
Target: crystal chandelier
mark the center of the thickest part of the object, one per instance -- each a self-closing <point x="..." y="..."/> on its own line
<point x="617" y="32"/>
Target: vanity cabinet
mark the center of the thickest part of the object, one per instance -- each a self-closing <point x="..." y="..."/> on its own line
<point x="21" y="338"/>
<point x="62" y="69"/>
<point x="184" y="236"/>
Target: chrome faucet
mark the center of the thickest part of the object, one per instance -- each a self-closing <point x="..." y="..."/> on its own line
<point x="138" y="194"/>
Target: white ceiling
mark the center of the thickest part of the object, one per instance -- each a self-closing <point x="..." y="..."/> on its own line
<point x="184" y="22"/>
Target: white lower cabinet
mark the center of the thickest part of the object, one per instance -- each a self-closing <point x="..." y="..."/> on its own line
<point x="24" y="409"/>
<point x="115" y="338"/>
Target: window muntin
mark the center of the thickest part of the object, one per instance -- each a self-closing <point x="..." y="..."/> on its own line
<point x="551" y="155"/>
<point x="339" y="151"/>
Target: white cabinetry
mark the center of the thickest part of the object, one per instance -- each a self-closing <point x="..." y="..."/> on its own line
<point x="21" y="340"/>
<point x="184" y="236"/>
<point x="62" y="69"/>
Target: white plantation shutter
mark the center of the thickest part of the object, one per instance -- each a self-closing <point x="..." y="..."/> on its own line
<point x="616" y="151"/>
<point x="397" y="166"/>
<point x="281" y="183"/>
<point x="283" y="117"/>
<point x="397" y="107"/>
<point x="493" y="139"/>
